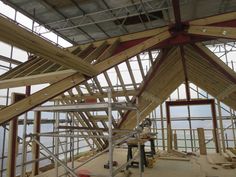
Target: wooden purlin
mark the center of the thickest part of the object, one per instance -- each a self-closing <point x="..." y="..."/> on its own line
<point x="112" y="90"/>
<point x="35" y="79"/>
<point x="12" y="72"/>
<point x="40" y="68"/>
<point x="10" y="60"/>
<point x="86" y="120"/>
<point x="140" y="66"/>
<point x="26" y="40"/>
<point x="59" y="87"/>
<point x="146" y="106"/>
<point x="109" y="51"/>
<point x="115" y="41"/>
<point x="103" y="100"/>
<point x="121" y="82"/>
<point x="82" y="122"/>
<point x="161" y="57"/>
<point x="216" y="62"/>
<point x="131" y="74"/>
<point x="206" y="76"/>
<point x="110" y="86"/>
<point x="149" y="33"/>
<point x="79" y="96"/>
<point x="167" y="78"/>
<point x="97" y="52"/>
<point x="87" y="113"/>
<point x="30" y="68"/>
<point x="24" y="74"/>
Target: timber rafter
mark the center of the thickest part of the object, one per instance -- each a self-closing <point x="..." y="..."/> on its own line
<point x="98" y="57"/>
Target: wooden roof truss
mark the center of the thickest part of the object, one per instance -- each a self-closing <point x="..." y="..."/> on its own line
<point x="70" y="83"/>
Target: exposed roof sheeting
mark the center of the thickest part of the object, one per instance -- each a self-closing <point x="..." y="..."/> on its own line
<point x="85" y="21"/>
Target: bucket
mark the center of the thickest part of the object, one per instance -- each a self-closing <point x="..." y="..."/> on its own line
<point x="83" y="173"/>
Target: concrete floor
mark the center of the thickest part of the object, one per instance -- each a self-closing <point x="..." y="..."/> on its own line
<point x="196" y="167"/>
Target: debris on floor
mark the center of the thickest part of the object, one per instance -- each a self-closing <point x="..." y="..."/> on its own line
<point x="224" y="160"/>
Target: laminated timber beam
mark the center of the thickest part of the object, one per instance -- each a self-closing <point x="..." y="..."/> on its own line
<point x="10" y="60"/>
<point x="128" y="37"/>
<point x="228" y="91"/>
<point x="217" y="19"/>
<point x="214" y="31"/>
<point x="35" y="146"/>
<point x="26" y="40"/>
<point x="150" y="75"/>
<point x="97" y="95"/>
<point x="61" y="86"/>
<point x="215" y="61"/>
<point x="36" y="79"/>
<point x="12" y="141"/>
<point x="214" y="19"/>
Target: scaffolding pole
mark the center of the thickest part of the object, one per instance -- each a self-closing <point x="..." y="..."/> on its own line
<point x="138" y="136"/>
<point x="56" y="142"/>
<point x="112" y="140"/>
<point x="233" y="125"/>
<point x="162" y="128"/>
<point x="56" y="158"/>
<point x="110" y="133"/>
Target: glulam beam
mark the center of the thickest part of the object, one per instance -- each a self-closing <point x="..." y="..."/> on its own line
<point x="214" y="19"/>
<point x="15" y="35"/>
<point x="97" y="95"/>
<point x="128" y="37"/>
<point x="69" y="82"/>
<point x="214" y="31"/>
<point x="36" y="79"/>
<point x="215" y="61"/>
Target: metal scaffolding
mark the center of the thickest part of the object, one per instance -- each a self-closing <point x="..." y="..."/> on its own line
<point x="115" y="136"/>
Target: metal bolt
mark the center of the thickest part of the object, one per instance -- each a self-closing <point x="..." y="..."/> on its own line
<point x="224" y="32"/>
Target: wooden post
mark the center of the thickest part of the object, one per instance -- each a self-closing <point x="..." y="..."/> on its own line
<point x="35" y="146"/>
<point x="175" y="141"/>
<point x="215" y="126"/>
<point x="226" y="139"/>
<point x="162" y="128"/>
<point x="169" y="138"/>
<point x="201" y="140"/>
<point x="12" y="139"/>
<point x="194" y="140"/>
<point x="185" y="142"/>
<point x="169" y="131"/>
<point x="221" y="126"/>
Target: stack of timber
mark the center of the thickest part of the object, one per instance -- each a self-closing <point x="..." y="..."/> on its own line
<point x="224" y="160"/>
<point x="174" y="155"/>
